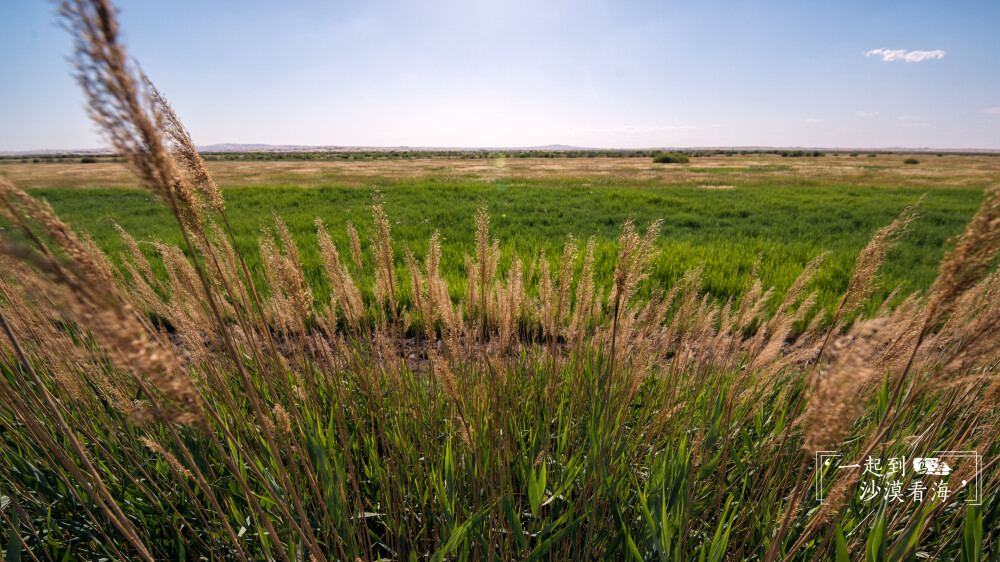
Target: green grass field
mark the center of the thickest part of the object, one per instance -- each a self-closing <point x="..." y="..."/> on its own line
<point x="785" y="213"/>
<point x="556" y="434"/>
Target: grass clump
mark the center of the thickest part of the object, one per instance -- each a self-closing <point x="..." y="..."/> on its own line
<point x="671" y="158"/>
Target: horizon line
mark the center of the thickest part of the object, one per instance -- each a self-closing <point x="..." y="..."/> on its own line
<point x="296" y="148"/>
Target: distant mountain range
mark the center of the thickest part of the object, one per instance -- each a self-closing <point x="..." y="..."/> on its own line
<point x="235" y="147"/>
<point x="229" y="147"/>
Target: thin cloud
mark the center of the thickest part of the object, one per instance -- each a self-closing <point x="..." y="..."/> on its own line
<point x="867" y="113"/>
<point x="814" y="120"/>
<point x="907" y="118"/>
<point x="631" y="129"/>
<point x="891" y="55"/>
<point x="995" y="110"/>
<point x="639" y="129"/>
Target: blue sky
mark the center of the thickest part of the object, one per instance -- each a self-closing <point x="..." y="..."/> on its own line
<point x="526" y="73"/>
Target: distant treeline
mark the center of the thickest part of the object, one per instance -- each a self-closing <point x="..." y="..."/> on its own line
<point x="63" y="158"/>
<point x="453" y="154"/>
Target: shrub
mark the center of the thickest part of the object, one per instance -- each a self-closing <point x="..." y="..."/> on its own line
<point x="854" y="154"/>
<point x="88" y="160"/>
<point x="670" y="158"/>
<point x="911" y="161"/>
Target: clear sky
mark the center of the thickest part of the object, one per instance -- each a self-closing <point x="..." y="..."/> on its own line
<point x="526" y="73"/>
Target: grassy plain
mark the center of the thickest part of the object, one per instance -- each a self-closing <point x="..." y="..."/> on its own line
<point x="505" y="446"/>
<point x="535" y="417"/>
<point x="722" y="211"/>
